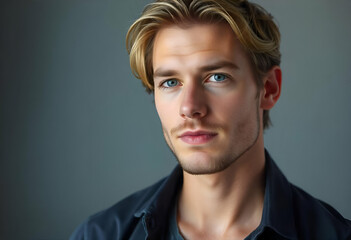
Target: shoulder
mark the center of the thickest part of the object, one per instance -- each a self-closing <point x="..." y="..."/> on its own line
<point x="317" y="219"/>
<point x="115" y="221"/>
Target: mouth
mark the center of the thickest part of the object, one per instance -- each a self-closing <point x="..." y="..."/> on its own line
<point x="197" y="137"/>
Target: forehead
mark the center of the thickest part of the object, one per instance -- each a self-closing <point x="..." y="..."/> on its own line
<point x="199" y="40"/>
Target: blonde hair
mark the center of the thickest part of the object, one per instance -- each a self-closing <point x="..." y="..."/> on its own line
<point x="253" y="26"/>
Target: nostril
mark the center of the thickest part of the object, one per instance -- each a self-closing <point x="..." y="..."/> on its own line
<point x="193" y="113"/>
<point x="196" y="114"/>
<point x="193" y="103"/>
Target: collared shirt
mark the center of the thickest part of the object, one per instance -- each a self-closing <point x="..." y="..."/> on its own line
<point x="288" y="213"/>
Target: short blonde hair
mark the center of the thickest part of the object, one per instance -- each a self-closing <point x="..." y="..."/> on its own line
<point x="253" y="26"/>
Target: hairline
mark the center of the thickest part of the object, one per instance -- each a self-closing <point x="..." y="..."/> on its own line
<point x="190" y="22"/>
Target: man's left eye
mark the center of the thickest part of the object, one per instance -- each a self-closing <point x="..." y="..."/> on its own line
<point x="218" y="77"/>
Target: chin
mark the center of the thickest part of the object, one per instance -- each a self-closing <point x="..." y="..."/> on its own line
<point x="201" y="164"/>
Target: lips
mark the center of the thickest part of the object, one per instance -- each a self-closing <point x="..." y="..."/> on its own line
<point x="197" y="137"/>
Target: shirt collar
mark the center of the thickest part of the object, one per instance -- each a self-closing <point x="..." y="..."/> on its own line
<point x="277" y="213"/>
<point x="155" y="211"/>
<point x="278" y="202"/>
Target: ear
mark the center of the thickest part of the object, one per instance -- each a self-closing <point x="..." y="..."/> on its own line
<point x="272" y="87"/>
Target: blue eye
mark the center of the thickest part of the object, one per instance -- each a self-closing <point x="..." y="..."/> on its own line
<point x="170" y="83"/>
<point x="217" y="77"/>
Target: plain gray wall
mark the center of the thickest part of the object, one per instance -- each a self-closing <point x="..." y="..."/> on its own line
<point x="79" y="133"/>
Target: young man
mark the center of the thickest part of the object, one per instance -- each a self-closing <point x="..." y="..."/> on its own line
<point x="213" y="67"/>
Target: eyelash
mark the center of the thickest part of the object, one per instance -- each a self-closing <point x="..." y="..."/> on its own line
<point x="222" y="74"/>
<point x="165" y="81"/>
<point x="161" y="86"/>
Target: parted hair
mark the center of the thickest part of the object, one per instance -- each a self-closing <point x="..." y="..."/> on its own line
<point x="253" y="26"/>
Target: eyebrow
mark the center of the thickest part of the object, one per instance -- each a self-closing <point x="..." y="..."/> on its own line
<point x="218" y="65"/>
<point x="161" y="72"/>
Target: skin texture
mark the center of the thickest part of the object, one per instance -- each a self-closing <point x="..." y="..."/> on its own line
<point x="228" y="110"/>
<point x="211" y="113"/>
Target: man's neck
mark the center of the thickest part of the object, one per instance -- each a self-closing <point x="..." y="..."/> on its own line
<point x="228" y="203"/>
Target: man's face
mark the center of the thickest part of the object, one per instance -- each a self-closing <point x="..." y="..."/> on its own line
<point x="205" y="95"/>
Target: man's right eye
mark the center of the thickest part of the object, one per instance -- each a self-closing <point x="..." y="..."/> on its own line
<point x="170" y="83"/>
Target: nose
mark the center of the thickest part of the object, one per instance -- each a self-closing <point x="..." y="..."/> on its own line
<point x="193" y="103"/>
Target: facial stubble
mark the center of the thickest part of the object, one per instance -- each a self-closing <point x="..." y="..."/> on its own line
<point x="227" y="159"/>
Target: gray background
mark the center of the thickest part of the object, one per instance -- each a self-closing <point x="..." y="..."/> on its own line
<point x="78" y="132"/>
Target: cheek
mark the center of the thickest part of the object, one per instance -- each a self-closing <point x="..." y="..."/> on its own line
<point x="229" y="105"/>
<point x="166" y="112"/>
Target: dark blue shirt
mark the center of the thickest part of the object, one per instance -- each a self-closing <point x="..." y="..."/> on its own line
<point x="288" y="213"/>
